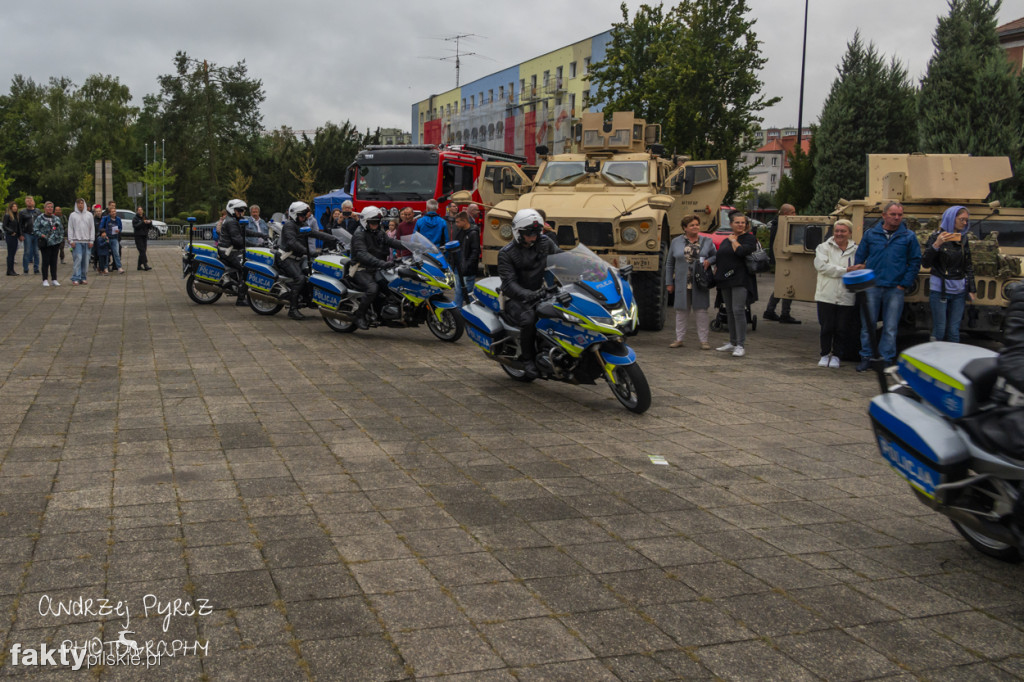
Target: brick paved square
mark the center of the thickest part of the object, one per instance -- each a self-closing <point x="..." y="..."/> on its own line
<point x="381" y="506"/>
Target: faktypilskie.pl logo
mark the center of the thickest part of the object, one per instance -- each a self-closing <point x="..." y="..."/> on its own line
<point x="123" y="649"/>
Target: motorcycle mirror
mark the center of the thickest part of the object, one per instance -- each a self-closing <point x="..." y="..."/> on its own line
<point x="626" y="270"/>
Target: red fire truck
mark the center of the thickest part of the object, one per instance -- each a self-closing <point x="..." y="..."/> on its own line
<point x="396" y="176"/>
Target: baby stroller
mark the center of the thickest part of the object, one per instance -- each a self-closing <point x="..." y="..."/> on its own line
<point x="721" y="319"/>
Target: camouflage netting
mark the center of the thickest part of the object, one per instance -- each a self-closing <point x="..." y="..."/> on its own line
<point x="985" y="256"/>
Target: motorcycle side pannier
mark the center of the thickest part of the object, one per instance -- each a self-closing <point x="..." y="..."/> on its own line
<point x="327" y="291"/>
<point x="264" y="256"/>
<point x="486" y="291"/>
<point x="934" y="372"/>
<point x="922" y="447"/>
<point x="482" y="326"/>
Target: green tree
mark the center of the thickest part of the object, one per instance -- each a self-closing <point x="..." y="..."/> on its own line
<point x="5" y="185"/>
<point x="160" y="182"/>
<point x="239" y="185"/>
<point x="797" y="187"/>
<point x="86" y="189"/>
<point x="306" y="175"/>
<point x="870" y="109"/>
<point x="707" y="50"/>
<point x="971" y="100"/>
<point x="210" y="118"/>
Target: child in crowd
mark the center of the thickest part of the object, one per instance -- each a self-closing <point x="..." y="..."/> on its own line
<point x="103" y="252"/>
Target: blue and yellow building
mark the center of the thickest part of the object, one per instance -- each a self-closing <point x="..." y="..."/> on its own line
<point x="516" y="109"/>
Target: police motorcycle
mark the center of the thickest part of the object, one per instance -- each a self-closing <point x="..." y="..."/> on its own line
<point x="269" y="289"/>
<point x="922" y="421"/>
<point x="420" y="288"/>
<point x="581" y="327"/>
<point x="206" y="276"/>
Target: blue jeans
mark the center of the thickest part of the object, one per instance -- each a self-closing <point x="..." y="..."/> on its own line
<point x="468" y="282"/>
<point x="80" y="257"/>
<point x="115" y="252"/>
<point x="30" y="252"/>
<point x="890" y="301"/>
<point x="946" y="315"/>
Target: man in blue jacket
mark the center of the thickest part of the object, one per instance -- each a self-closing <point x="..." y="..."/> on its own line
<point x="433" y="226"/>
<point x="892" y="251"/>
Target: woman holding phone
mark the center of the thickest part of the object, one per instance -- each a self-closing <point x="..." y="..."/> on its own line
<point x="948" y="254"/>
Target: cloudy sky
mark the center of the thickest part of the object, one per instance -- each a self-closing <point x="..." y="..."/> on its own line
<point x="368" y="62"/>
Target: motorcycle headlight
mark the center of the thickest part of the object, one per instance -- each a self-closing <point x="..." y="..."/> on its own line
<point x="630" y="235"/>
<point x="606" y="321"/>
<point x="505" y="231"/>
<point x="621" y="316"/>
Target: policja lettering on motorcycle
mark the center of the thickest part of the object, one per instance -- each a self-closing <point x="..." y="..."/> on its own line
<point x="295" y="235"/>
<point x="370" y="249"/>
<point x="521" y="265"/>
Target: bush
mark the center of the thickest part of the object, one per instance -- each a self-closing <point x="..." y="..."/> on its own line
<point x="200" y="216"/>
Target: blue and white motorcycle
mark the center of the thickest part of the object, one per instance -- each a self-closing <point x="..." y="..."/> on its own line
<point x="581" y="327"/>
<point x="929" y="423"/>
<point x="421" y="288"/>
<point x="206" y="276"/>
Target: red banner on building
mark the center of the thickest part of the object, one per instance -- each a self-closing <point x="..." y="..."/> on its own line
<point x="432" y="132"/>
<point x="510" y="135"/>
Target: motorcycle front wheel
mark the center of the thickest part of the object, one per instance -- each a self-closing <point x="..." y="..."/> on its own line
<point x="264" y="308"/>
<point x="989" y="546"/>
<point x="449" y="328"/>
<point x="631" y="389"/>
<point x="200" y="297"/>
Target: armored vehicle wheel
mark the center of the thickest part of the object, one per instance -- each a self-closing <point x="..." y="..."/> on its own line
<point x="263" y="307"/>
<point x="631" y="388"/>
<point x="449" y="328"/>
<point x="989" y="546"/>
<point x="200" y="297"/>
<point x="340" y="326"/>
<point x="517" y="374"/>
<point x="649" y="292"/>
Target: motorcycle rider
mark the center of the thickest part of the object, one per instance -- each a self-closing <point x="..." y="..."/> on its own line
<point x="231" y="244"/>
<point x="521" y="265"/>
<point x="370" y="249"/>
<point x="295" y="236"/>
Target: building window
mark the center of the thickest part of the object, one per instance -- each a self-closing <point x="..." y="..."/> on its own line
<point x="758" y="160"/>
<point x="773" y="178"/>
<point x="511" y="93"/>
<point x="456" y="108"/>
<point x="501" y="92"/>
<point x="572" y="103"/>
<point x="547" y="78"/>
<point x="586" y="65"/>
<point x="572" y="69"/>
<point x="522" y="89"/>
<point x="775" y="160"/>
<point x="490" y="96"/>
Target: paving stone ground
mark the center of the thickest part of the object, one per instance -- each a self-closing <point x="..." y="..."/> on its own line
<point x="385" y="506"/>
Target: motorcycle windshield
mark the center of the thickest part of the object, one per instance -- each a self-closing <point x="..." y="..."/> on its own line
<point x="584" y="267"/>
<point x="419" y="245"/>
<point x="344" y="237"/>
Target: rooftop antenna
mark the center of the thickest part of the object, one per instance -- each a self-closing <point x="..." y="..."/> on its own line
<point x="457" y="54"/>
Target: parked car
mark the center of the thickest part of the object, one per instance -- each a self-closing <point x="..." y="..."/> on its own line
<point x="204" y="231"/>
<point x="157" y="230"/>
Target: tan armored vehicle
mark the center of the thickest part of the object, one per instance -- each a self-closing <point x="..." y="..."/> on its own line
<point x="926" y="185"/>
<point x="616" y="194"/>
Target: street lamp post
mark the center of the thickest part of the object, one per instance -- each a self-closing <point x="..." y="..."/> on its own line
<point x="803" y="66"/>
<point x="145" y="147"/>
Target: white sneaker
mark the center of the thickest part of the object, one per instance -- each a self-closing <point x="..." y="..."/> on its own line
<point x="824" y="361"/>
<point x="726" y="348"/>
<point x="738" y="352"/>
<point x="834" y="362"/>
<point x="54" y="282"/>
<point x="46" y="282"/>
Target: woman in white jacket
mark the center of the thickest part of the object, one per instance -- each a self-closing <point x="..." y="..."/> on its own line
<point x="832" y="259"/>
<point x="81" y="235"/>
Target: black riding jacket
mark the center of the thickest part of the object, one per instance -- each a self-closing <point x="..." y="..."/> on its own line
<point x="231" y="234"/>
<point x="370" y="248"/>
<point x="1011" y="359"/>
<point x="521" y="267"/>
<point x="296" y="242"/>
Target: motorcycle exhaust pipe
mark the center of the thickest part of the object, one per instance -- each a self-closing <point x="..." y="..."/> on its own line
<point x="260" y="296"/>
<point x="336" y="315"/>
<point x="208" y="288"/>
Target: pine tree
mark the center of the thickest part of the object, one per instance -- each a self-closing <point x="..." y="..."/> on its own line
<point x="971" y="101"/>
<point x="869" y="110"/>
<point x="797" y="188"/>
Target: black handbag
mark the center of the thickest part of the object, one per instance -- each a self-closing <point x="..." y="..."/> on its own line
<point x="701" y="277"/>
<point x="757" y="261"/>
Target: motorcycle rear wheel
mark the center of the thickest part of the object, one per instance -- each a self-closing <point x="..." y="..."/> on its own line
<point x="200" y="297"/>
<point x="449" y="328"/>
<point x="989" y="546"/>
<point x="631" y="388"/>
<point x="263" y="308"/>
<point x="340" y="326"/>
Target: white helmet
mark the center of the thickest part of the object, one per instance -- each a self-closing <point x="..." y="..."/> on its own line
<point x="297" y="208"/>
<point x="370" y="213"/>
<point x="234" y="205"/>
<point x="527" y="221"/>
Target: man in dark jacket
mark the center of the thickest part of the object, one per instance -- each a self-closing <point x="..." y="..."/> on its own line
<point x="294" y="245"/>
<point x="30" y="248"/>
<point x="468" y="235"/>
<point x="893" y="252"/>
<point x="787" y="303"/>
<point x="140" y="229"/>
<point x="370" y="249"/>
<point x="521" y="265"/>
<point x="231" y="244"/>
